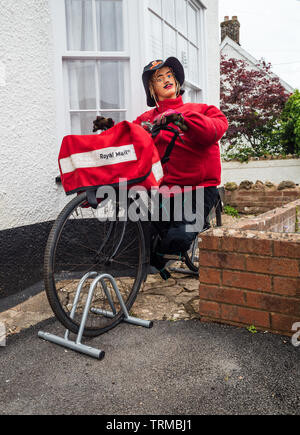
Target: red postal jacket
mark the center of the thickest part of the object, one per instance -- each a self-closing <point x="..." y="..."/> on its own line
<point x="195" y="161"/>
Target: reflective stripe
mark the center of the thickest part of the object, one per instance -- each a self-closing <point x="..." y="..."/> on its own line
<point x="97" y="158"/>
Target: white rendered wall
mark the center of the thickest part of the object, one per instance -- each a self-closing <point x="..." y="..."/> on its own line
<point x="213" y="52"/>
<point x="270" y="170"/>
<point x="28" y="193"/>
<point x="230" y="52"/>
<point x="30" y="114"/>
<point x="240" y="54"/>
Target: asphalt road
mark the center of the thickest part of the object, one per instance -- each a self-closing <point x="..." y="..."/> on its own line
<point x="175" y="368"/>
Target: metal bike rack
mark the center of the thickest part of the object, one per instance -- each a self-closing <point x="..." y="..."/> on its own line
<point x="77" y="345"/>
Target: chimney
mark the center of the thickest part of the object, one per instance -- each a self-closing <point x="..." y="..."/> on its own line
<point x="231" y="28"/>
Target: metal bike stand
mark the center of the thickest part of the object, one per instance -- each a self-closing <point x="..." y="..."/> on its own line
<point x="77" y="345"/>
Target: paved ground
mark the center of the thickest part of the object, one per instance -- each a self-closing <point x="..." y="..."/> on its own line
<point x="180" y="366"/>
<point x="177" y="367"/>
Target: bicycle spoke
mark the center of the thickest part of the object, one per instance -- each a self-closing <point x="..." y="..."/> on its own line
<point x="82" y="243"/>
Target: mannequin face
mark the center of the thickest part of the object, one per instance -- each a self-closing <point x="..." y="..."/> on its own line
<point x="164" y="84"/>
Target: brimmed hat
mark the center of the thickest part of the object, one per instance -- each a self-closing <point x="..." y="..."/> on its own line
<point x="149" y="69"/>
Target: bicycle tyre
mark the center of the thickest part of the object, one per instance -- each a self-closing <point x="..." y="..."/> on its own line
<point x="67" y="231"/>
<point x="191" y="257"/>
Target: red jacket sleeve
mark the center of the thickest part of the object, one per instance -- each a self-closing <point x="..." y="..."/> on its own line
<point x="206" y="128"/>
<point x="138" y="120"/>
<point x="146" y="116"/>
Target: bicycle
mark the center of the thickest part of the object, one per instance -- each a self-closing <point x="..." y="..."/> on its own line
<point x="80" y="242"/>
<point x="214" y="219"/>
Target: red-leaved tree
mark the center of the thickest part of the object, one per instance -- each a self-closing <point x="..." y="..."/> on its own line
<point x="252" y="100"/>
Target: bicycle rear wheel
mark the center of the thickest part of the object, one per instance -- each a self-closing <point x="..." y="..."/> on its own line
<point x="79" y="242"/>
<point x="214" y="219"/>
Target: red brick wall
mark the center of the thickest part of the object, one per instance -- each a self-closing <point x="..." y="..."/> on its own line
<point x="279" y="220"/>
<point x="259" y="201"/>
<point x="250" y="277"/>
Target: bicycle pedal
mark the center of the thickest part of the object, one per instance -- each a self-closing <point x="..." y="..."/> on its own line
<point x="165" y="274"/>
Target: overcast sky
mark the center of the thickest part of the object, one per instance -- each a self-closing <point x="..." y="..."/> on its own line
<point x="269" y="29"/>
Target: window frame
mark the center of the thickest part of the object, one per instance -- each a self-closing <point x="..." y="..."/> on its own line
<point x="135" y="56"/>
<point x="62" y="55"/>
<point x="198" y="88"/>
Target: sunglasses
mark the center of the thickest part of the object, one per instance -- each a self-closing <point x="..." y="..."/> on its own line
<point x="161" y="79"/>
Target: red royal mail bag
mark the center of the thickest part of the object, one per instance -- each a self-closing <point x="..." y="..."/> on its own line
<point x="125" y="151"/>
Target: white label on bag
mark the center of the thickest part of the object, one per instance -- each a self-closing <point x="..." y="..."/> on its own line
<point x="157" y="170"/>
<point x="97" y="158"/>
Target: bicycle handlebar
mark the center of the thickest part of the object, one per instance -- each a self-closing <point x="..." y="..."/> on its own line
<point x="101" y="123"/>
<point x="155" y="128"/>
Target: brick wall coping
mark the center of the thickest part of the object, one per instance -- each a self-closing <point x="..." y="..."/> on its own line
<point x="262" y="220"/>
<point x="251" y="234"/>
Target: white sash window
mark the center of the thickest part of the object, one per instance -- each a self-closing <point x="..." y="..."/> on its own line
<point x="102" y="46"/>
<point x="95" y="82"/>
<point x="96" y="87"/>
<point x="176" y="29"/>
<point x="94" y="61"/>
<point x="94" y="25"/>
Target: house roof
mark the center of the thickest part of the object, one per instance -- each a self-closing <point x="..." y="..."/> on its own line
<point x="241" y="53"/>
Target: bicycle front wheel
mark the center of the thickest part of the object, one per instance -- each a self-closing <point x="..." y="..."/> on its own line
<point x="81" y="242"/>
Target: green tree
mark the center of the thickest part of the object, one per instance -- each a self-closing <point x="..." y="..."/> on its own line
<point x="290" y="124"/>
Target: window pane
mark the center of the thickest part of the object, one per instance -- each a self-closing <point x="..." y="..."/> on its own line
<point x="111" y="78"/>
<point x="155" y="5"/>
<point x="81" y="74"/>
<point x="180" y="6"/>
<point x="79" y="17"/>
<point x="156" y="49"/>
<point x="193" y="64"/>
<point x="116" y="116"/>
<point x="183" y="53"/>
<point x="82" y="123"/>
<point x="190" y="95"/>
<point x="169" y="11"/>
<point x="192" y="24"/>
<point x="110" y="25"/>
<point x="170" y="42"/>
